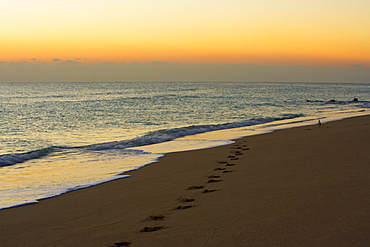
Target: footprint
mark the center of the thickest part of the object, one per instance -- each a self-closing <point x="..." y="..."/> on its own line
<point x="209" y="191"/>
<point x="226" y="171"/>
<point x="245" y="149"/>
<point x="222" y="162"/>
<point x="214" y="176"/>
<point x="123" y="244"/>
<point x="228" y="164"/>
<point x="185" y="199"/>
<point x="195" y="188"/>
<point x="184" y="207"/>
<point x="219" y="169"/>
<point x="234" y="158"/>
<point x="156" y="217"/>
<point x="214" y="181"/>
<point x="231" y="156"/>
<point x="151" y="229"/>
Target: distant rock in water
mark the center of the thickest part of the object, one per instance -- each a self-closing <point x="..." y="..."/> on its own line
<point x="314" y="101"/>
<point x="355" y="99"/>
<point x="332" y="100"/>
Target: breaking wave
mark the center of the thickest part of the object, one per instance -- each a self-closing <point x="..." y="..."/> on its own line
<point x="154" y="137"/>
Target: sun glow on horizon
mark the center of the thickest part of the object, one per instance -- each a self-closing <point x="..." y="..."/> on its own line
<point x="289" y="32"/>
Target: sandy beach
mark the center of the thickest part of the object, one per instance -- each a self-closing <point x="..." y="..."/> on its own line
<point x="306" y="186"/>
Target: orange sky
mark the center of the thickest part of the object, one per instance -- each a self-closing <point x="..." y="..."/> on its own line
<point x="250" y="32"/>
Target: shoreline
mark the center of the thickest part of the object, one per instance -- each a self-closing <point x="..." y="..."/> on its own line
<point x="202" y="140"/>
<point x="292" y="187"/>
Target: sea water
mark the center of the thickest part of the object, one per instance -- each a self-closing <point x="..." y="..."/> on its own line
<point x="58" y="137"/>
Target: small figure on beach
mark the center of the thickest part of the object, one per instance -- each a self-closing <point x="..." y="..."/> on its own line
<point x="319" y="123"/>
<point x="355" y="99"/>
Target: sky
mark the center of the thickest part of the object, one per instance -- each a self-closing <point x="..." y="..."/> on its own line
<point x="235" y="40"/>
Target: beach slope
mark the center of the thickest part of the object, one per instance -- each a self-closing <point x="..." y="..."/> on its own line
<point x="306" y="186"/>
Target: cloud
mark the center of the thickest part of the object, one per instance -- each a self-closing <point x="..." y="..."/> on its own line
<point x="158" y="62"/>
<point x="33" y="59"/>
<point x="75" y="71"/>
<point x="66" y="61"/>
<point x="70" y="62"/>
<point x="18" y="63"/>
<point x="114" y="64"/>
<point x="151" y="63"/>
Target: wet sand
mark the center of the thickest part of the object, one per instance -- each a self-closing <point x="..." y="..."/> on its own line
<point x="306" y="186"/>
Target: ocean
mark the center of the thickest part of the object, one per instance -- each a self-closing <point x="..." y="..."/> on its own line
<point x="59" y="137"/>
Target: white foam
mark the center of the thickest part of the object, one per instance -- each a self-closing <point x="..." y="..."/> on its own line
<point x="224" y="137"/>
<point x="112" y="157"/>
<point x="53" y="176"/>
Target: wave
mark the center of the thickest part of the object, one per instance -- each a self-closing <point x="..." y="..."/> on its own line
<point x="165" y="135"/>
<point x="153" y="137"/>
<point x="355" y="103"/>
<point x="12" y="159"/>
<point x="339" y="102"/>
